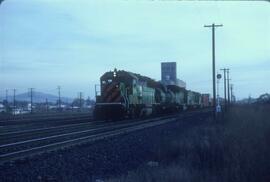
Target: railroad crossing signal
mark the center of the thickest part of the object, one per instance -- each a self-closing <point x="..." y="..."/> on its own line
<point x="218" y="107"/>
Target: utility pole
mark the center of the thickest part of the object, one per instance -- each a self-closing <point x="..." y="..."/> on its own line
<point x="47" y="107"/>
<point x="6" y="103"/>
<point x="31" y="99"/>
<point x="228" y="84"/>
<point x="231" y="93"/>
<point x="213" y="26"/>
<point x="59" y="98"/>
<point x="6" y="95"/>
<point x="14" y="100"/>
<point x="224" y="77"/>
<point x="80" y="99"/>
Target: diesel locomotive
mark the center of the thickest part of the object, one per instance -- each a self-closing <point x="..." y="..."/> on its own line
<point x="125" y="94"/>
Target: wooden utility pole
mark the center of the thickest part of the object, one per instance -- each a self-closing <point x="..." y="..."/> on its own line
<point x="14" y="101"/>
<point x="228" y="84"/>
<point x="6" y="95"/>
<point x="225" y="90"/>
<point x="213" y="26"/>
<point x="47" y="106"/>
<point x="232" y="100"/>
<point x="6" y="103"/>
<point x="59" y="98"/>
<point x="80" y="100"/>
<point x="31" y="99"/>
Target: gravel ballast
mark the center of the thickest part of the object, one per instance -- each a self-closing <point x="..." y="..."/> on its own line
<point x="99" y="160"/>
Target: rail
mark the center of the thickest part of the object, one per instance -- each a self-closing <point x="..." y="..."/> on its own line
<point x="52" y="138"/>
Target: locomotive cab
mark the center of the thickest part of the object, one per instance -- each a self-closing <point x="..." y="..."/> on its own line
<point x="123" y="94"/>
<point x="112" y="101"/>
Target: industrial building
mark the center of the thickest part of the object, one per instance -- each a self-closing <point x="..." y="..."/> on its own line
<point x="169" y="74"/>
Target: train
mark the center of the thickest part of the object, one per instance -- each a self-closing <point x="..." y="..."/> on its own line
<point x="123" y="94"/>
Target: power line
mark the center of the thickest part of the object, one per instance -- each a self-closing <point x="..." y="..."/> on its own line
<point x="213" y="26"/>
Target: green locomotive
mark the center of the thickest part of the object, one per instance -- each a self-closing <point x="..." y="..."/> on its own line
<point x="125" y="94"/>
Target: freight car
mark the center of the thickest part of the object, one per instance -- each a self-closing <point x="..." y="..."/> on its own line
<point x="193" y="100"/>
<point x="125" y="94"/>
<point x="206" y="100"/>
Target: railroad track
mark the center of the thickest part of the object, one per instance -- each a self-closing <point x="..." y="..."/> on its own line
<point x="15" y="136"/>
<point x="16" y="145"/>
<point x="29" y="120"/>
<point x="44" y="124"/>
<point x="36" y="116"/>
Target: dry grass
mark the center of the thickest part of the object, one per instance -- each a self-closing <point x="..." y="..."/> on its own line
<point x="236" y="149"/>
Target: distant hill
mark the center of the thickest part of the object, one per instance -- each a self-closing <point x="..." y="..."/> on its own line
<point x="38" y="97"/>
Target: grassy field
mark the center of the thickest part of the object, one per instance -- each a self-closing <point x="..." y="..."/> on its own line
<point x="237" y="148"/>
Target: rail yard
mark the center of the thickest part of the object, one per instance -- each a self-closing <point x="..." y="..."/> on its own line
<point x="22" y="147"/>
<point x="28" y="139"/>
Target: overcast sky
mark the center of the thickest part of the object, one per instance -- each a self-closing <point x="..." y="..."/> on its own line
<point x="46" y="43"/>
